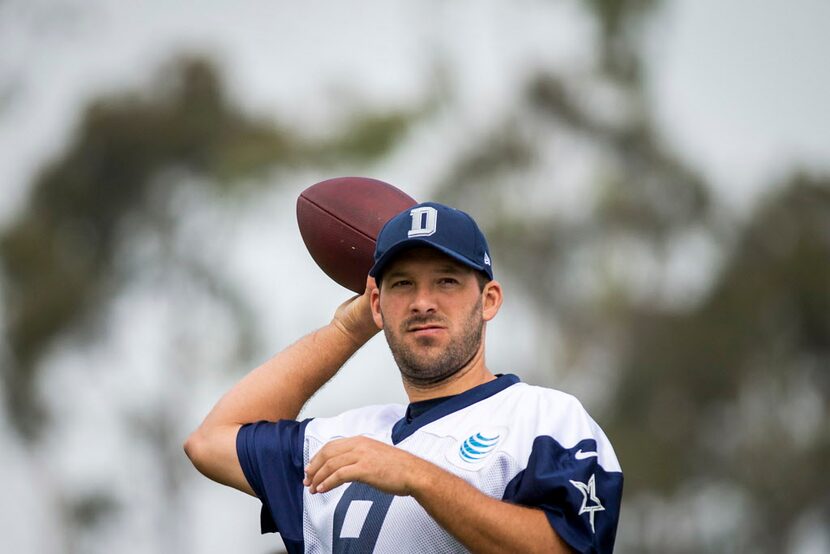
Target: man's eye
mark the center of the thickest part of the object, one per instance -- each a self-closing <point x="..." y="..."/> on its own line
<point x="400" y="283"/>
<point x="447" y="281"/>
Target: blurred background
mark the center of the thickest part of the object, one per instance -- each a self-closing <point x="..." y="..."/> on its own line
<point x="653" y="176"/>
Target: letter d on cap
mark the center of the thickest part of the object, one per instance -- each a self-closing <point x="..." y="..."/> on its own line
<point x="424" y="221"/>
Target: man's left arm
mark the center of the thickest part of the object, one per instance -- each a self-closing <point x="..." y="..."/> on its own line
<point x="480" y="522"/>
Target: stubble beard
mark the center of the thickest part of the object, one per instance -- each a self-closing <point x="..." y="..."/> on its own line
<point x="428" y="370"/>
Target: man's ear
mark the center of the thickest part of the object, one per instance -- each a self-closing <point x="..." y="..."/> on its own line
<point x="374" y="301"/>
<point x="491" y="300"/>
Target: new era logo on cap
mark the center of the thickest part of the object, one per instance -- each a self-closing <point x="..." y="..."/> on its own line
<point x="446" y="229"/>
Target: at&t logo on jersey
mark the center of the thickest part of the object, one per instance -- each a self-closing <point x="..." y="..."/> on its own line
<point x="476" y="447"/>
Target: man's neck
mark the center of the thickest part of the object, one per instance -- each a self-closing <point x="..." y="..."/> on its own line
<point x="473" y="374"/>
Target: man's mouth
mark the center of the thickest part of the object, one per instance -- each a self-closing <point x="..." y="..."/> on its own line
<point x="425" y="329"/>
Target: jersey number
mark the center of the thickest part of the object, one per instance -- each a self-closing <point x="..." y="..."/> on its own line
<point x="358" y="518"/>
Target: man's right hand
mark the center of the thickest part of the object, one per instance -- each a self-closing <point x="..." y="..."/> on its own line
<point x="354" y="316"/>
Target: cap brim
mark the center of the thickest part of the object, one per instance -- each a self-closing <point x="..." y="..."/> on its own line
<point x="413" y="242"/>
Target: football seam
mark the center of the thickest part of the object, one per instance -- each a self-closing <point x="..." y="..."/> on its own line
<point x="353" y="228"/>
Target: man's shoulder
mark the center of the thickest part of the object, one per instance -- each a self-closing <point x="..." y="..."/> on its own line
<point x="528" y="389"/>
<point x="374" y="421"/>
<point x="524" y="397"/>
<point x="562" y="417"/>
<point x="531" y="411"/>
<point x="548" y="406"/>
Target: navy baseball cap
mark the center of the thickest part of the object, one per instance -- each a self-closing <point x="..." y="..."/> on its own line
<point x="441" y="227"/>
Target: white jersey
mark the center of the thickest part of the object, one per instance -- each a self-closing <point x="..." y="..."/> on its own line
<point x="512" y="441"/>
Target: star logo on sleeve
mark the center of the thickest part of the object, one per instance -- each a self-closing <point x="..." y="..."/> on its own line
<point x="589" y="493"/>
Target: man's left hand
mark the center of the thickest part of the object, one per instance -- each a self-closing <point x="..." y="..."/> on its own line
<point x="380" y="465"/>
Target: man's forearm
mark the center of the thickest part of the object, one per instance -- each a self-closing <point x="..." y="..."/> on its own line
<point x="276" y="390"/>
<point x="480" y="522"/>
<point x="483" y="523"/>
<point x="280" y="387"/>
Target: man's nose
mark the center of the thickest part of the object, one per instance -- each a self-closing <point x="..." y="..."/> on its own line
<point x="422" y="301"/>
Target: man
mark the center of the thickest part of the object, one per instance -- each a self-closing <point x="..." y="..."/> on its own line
<point x="477" y="461"/>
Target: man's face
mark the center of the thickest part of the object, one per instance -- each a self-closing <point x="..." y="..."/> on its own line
<point x="431" y="312"/>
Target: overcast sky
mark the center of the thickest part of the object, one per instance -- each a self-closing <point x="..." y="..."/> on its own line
<point x="740" y="87"/>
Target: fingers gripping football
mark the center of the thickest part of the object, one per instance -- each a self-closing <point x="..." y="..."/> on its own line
<point x="385" y="467"/>
<point x="354" y="316"/>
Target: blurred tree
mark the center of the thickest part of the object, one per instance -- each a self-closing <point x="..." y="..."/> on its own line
<point x="58" y="255"/>
<point x="130" y="156"/>
<point x="724" y="389"/>
<point x="735" y="390"/>
<point x="620" y="23"/>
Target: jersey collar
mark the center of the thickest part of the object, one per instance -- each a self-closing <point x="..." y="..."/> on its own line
<point x="402" y="429"/>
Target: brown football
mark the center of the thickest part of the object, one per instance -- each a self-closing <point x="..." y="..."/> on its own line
<point x="339" y="221"/>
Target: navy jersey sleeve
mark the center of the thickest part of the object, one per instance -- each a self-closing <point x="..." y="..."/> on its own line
<point x="271" y="456"/>
<point x="580" y="498"/>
